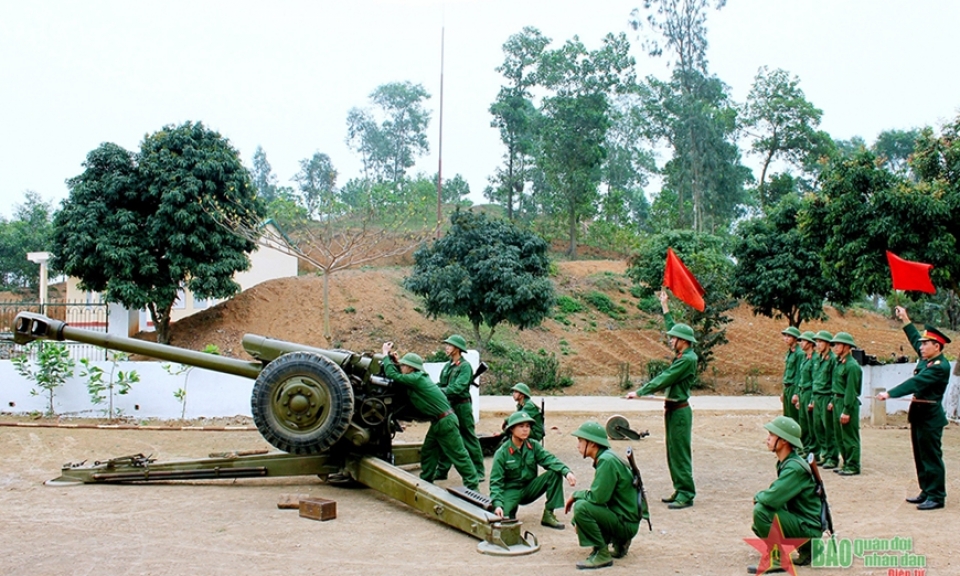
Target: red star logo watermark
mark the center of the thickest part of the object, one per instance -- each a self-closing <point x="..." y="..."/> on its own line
<point x="775" y="540"/>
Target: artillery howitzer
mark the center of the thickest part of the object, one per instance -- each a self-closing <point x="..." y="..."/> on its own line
<point x="327" y="411"/>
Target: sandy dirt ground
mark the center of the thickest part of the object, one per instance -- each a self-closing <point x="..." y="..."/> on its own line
<point x="235" y="527"/>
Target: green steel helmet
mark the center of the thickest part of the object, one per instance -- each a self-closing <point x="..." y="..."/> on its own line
<point x="457" y="341"/>
<point x="791" y="331"/>
<point x="593" y="432"/>
<point x="683" y="332"/>
<point x="787" y="428"/>
<point x="809" y="336"/>
<point x="412" y="360"/>
<point x="843" y="338"/>
<point x="522" y="388"/>
<point x="517" y="418"/>
<point x="823" y="335"/>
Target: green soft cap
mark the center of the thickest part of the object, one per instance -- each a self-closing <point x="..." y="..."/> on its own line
<point x="517" y="418"/>
<point x="522" y="388"/>
<point x="412" y="360"/>
<point x="791" y="331"/>
<point x="683" y="332"/>
<point x="824" y="335"/>
<point x="787" y="428"/>
<point x="593" y="432"/>
<point x="843" y="338"/>
<point x="458" y="341"/>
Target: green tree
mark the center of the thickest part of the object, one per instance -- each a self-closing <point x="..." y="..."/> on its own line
<point x="317" y="180"/>
<point x="677" y="26"/>
<point x="705" y="255"/>
<point x="138" y="227"/>
<point x="54" y="367"/>
<point x="30" y="230"/>
<point x="262" y="177"/>
<point x="456" y="190"/>
<point x="777" y="272"/>
<point x="118" y="382"/>
<point x="895" y="148"/>
<point x="486" y="269"/>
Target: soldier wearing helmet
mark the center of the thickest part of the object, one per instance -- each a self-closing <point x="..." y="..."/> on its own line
<point x="847" y="382"/>
<point x="513" y="474"/>
<point x="607" y="514"/>
<point x="521" y="395"/>
<point x="676" y="382"/>
<point x="824" y="421"/>
<point x="455" y="379"/>
<point x="791" y="370"/>
<point x="792" y="498"/>
<point x="803" y="400"/>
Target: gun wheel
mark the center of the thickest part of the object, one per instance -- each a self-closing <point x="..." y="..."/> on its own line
<point x="302" y="403"/>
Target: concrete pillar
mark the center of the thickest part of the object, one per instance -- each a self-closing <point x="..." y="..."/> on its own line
<point x="878" y="409"/>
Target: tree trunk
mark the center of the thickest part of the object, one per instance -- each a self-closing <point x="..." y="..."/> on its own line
<point x="763" y="178"/>
<point x="572" y="252"/>
<point x="326" y="306"/>
<point x="161" y="322"/>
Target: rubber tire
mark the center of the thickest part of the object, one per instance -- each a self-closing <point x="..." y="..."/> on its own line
<point x="302" y="371"/>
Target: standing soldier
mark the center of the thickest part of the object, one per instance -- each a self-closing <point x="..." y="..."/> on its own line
<point x="455" y="379"/>
<point x="847" y="382"/>
<point x="791" y="371"/>
<point x="521" y="395"/>
<point x="513" y="474"/>
<point x="676" y="382"/>
<point x="926" y="415"/>
<point x="822" y="398"/>
<point x="803" y="400"/>
<point x="609" y="512"/>
<point x="443" y="436"/>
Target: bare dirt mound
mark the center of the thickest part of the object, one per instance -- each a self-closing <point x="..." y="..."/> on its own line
<point x="370" y="306"/>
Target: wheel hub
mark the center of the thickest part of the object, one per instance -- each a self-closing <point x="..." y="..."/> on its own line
<point x="301" y="404"/>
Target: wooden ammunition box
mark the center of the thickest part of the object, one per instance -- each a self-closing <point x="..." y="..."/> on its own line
<point x="291" y="501"/>
<point x="318" y="509"/>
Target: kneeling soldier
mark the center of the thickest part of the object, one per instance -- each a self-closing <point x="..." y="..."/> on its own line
<point x="513" y="476"/>
<point x="608" y="512"/>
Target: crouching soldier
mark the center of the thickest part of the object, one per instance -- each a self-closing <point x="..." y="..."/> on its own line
<point x="513" y="476"/>
<point x="792" y="499"/>
<point x="607" y="513"/>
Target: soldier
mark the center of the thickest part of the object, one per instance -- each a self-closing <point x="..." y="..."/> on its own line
<point x="443" y="436"/>
<point x="803" y="400"/>
<point x="608" y="513"/>
<point x="677" y="380"/>
<point x="513" y="474"/>
<point x="823" y="419"/>
<point x="847" y="382"/>
<point x="792" y="498"/>
<point x="926" y="415"/>
<point x="791" y="370"/>
<point x="455" y="379"/>
<point x="521" y="395"/>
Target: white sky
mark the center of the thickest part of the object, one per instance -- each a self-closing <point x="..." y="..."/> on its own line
<point x="284" y="74"/>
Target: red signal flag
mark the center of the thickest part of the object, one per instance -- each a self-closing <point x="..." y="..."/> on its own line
<point x="682" y="282"/>
<point x="909" y="275"/>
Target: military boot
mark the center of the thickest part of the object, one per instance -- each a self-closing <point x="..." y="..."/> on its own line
<point x="774" y="564"/>
<point x="550" y="520"/>
<point x="620" y="549"/>
<point x="599" y="559"/>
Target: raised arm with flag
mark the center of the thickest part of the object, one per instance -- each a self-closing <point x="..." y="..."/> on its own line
<point x="682" y="282"/>
<point x="909" y="275"/>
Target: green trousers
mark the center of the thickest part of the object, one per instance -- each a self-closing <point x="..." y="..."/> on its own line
<point x="848" y="439"/>
<point x="549" y="483"/>
<point x="928" y="458"/>
<point x="678" y="425"/>
<point x="790" y="524"/>
<point x="597" y="526"/>
<point x="443" y="439"/>
<point x="788" y="408"/>
<point x="824" y="420"/>
<point x="468" y="433"/>
<point x="807" y="430"/>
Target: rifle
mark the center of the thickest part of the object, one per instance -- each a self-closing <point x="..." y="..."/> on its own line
<point x="480" y="370"/>
<point x="641" y="494"/>
<point x="826" y="519"/>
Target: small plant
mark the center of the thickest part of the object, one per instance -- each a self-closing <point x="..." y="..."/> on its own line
<point x="655" y="367"/>
<point x="752" y="384"/>
<point x="437" y="356"/>
<point x="350" y="310"/>
<point x="567" y="305"/>
<point x="623" y="377"/>
<point x="604" y="304"/>
<point x="54" y="367"/>
<point x="175" y="370"/>
<point x="118" y="382"/>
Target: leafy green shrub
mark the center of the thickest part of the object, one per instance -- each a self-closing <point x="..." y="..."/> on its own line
<point x="437" y="356"/>
<point x="655" y="367"/>
<point x="567" y="305"/>
<point x="650" y="304"/>
<point x="54" y="367"/>
<point x="604" y="304"/>
<point x="117" y="382"/>
<point x="350" y="310"/>
<point x="510" y="364"/>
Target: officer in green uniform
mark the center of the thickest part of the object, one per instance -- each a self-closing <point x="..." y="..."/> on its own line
<point x="822" y="401"/>
<point x="676" y="382"/>
<point x="609" y="512"/>
<point x="792" y="498"/>
<point x="513" y="475"/>
<point x="455" y="379"/>
<point x="443" y="436"/>
<point x="791" y="370"/>
<point x="521" y="395"/>
<point x="926" y="415"/>
<point x="803" y="399"/>
<point x="847" y="382"/>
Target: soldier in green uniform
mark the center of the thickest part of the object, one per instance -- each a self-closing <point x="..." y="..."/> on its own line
<point x="455" y="379"/>
<point x="513" y="475"/>
<point x="791" y="370"/>
<point x="609" y="512"/>
<point x="676" y="382"/>
<point x="847" y="382"/>
<point x="521" y="395"/>
<point x="822" y="399"/>
<point x="803" y="399"/>
<point x="926" y="415"/>
<point x="443" y="436"/>
<point x="792" y="498"/>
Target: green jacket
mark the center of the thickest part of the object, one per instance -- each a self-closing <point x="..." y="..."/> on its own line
<point x="791" y="370"/>
<point x="794" y="490"/>
<point x="929" y="382"/>
<point x="847" y="381"/>
<point x="425" y="396"/>
<point x="612" y="487"/>
<point x="823" y="373"/>
<point x="513" y="468"/>
<point x="537" y="430"/>
<point x="455" y="380"/>
<point x="678" y="378"/>
<point x="806" y="374"/>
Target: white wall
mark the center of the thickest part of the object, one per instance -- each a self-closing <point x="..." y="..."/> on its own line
<point x="891" y="375"/>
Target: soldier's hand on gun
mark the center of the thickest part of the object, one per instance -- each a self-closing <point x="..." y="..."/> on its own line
<point x="568" y="505"/>
<point x="499" y="511"/>
<point x="571" y="479"/>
